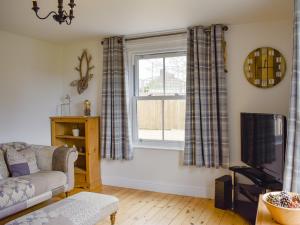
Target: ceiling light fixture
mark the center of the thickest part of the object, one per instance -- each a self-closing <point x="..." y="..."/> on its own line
<point x="61" y="15"/>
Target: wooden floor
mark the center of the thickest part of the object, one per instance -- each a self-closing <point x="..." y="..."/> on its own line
<point x="143" y="207"/>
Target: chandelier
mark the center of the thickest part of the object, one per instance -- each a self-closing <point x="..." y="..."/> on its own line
<point x="61" y="15"/>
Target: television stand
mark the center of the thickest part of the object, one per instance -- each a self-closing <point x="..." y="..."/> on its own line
<point x="262" y="183"/>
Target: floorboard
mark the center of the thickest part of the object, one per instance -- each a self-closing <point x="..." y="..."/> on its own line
<point x="139" y="207"/>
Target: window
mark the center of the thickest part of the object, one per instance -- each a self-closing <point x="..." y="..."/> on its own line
<point x="159" y="98"/>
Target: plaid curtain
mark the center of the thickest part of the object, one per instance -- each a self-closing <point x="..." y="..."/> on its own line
<point x="115" y="141"/>
<point x="292" y="158"/>
<point x="206" y="125"/>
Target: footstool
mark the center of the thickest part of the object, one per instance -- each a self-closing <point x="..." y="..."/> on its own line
<point x="84" y="208"/>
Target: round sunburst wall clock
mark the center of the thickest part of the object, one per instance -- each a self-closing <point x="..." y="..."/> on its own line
<point x="265" y="67"/>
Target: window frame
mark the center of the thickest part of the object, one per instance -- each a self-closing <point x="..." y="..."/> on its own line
<point x="164" y="144"/>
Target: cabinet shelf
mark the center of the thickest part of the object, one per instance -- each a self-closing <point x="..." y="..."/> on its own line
<point x="81" y="153"/>
<point x="79" y="171"/>
<point x="70" y="137"/>
<point x="87" y="165"/>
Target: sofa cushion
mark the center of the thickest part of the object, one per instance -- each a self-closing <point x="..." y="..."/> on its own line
<point x="15" y="190"/>
<point x="45" y="181"/>
<point x="13" y="145"/>
<point x="30" y="157"/>
<point x="17" y="163"/>
<point x="44" y="156"/>
<point x="3" y="168"/>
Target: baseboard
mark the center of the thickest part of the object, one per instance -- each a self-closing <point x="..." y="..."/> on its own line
<point x="187" y="190"/>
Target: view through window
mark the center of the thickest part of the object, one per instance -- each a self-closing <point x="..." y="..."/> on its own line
<point x="160" y="97"/>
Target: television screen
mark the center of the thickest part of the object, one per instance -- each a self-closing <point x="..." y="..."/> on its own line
<point x="263" y="142"/>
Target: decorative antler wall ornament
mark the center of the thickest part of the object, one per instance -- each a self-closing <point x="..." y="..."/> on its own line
<point x="82" y="83"/>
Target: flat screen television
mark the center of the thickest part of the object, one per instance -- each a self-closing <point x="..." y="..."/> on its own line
<point x="263" y="138"/>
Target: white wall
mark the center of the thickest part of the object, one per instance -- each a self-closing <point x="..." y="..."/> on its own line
<point x="161" y="170"/>
<point x="158" y="170"/>
<point x="30" y="88"/>
<point x="244" y="97"/>
<point x="70" y="53"/>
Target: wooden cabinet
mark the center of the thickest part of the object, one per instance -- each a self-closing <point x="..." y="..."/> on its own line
<point x="87" y="166"/>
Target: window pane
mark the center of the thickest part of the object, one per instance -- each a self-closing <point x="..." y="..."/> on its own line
<point x="149" y="114"/>
<point x="175" y="75"/>
<point x="151" y="77"/>
<point x="174" y="119"/>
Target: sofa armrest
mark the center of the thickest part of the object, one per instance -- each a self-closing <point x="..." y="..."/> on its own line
<point x="63" y="160"/>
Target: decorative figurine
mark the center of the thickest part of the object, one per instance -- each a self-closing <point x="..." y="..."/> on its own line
<point x="87" y="108"/>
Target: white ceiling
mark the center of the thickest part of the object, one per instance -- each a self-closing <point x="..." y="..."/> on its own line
<point x="95" y="18"/>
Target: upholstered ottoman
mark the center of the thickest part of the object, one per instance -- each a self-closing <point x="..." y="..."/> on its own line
<point x="85" y="208"/>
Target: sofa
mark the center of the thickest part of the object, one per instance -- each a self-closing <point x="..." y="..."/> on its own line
<point x="53" y="174"/>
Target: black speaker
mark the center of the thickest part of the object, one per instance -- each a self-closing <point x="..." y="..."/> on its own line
<point x="223" y="192"/>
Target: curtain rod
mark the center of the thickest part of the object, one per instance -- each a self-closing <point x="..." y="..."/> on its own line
<point x="225" y="28"/>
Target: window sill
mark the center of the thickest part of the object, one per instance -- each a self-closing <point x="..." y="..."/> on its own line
<point x="153" y="147"/>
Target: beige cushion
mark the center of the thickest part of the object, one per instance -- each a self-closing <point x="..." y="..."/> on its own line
<point x="17" y="164"/>
<point x="44" y="156"/>
<point x="13" y="145"/>
<point x="30" y="157"/>
<point x="19" y="152"/>
<point x="3" y="168"/>
<point x="45" y="181"/>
